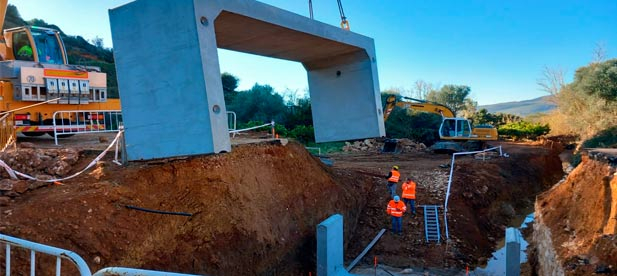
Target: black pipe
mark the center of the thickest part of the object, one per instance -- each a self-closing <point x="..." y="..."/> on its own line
<point x="158" y="212"/>
<point x="386" y="271"/>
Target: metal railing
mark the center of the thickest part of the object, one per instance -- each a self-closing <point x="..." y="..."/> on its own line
<point x="135" y="272"/>
<point x="7" y="131"/>
<point x="313" y="149"/>
<point x="454" y="155"/>
<point x="78" y="261"/>
<point x="86" y="121"/>
<point x="59" y="253"/>
<point x="231" y="122"/>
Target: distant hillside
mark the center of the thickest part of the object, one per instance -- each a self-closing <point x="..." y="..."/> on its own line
<point x="522" y="108"/>
<point x="79" y="50"/>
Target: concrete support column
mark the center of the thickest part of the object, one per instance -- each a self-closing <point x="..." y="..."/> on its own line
<point x="169" y="79"/>
<point x="345" y="98"/>
<point x="513" y="252"/>
<point x="330" y="247"/>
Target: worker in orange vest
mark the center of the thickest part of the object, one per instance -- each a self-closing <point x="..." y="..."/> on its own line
<point x="409" y="195"/>
<point x="396" y="208"/>
<point x="393" y="178"/>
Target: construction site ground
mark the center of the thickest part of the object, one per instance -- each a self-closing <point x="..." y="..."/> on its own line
<point x="254" y="211"/>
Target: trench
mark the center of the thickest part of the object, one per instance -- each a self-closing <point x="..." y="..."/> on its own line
<point x="496" y="265"/>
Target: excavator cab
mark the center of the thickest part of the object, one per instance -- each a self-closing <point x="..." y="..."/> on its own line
<point x="30" y="43"/>
<point x="452" y="128"/>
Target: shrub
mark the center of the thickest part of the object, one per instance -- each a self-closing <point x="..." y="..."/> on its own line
<point x="524" y="130"/>
<point x="304" y="134"/>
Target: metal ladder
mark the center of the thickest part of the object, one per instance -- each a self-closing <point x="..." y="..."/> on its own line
<point x="431" y="223"/>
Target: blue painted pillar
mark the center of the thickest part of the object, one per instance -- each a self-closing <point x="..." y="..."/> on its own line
<point x="330" y="247"/>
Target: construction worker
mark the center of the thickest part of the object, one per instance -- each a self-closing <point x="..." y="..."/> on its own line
<point x="393" y="178"/>
<point x="409" y="195"/>
<point x="25" y="53"/>
<point x="396" y="208"/>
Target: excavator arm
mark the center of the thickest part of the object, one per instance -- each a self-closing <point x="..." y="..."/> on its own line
<point x="3" y="7"/>
<point x="419" y="105"/>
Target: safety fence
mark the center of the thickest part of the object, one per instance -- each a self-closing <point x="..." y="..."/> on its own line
<point x="313" y="149"/>
<point x="69" y="122"/>
<point x="7" y="131"/>
<point x="272" y="124"/>
<point x="34" y="248"/>
<point x="231" y="122"/>
<point x="454" y="155"/>
<point x="14" y="174"/>
<point x="74" y="258"/>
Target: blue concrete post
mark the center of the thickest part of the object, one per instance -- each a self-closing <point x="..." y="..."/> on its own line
<point x="169" y="79"/>
<point x="513" y="252"/>
<point x="330" y="247"/>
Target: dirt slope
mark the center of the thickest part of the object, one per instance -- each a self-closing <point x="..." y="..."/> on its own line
<point x="580" y="215"/>
<point x="255" y="212"/>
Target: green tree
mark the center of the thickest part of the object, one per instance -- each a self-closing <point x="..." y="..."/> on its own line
<point x="415" y="125"/>
<point x="599" y="79"/>
<point x="302" y="133"/>
<point x="12" y="18"/>
<point x="260" y="103"/>
<point x="98" y="42"/>
<point x="453" y="96"/>
<point x="483" y="117"/>
<point x="299" y="113"/>
<point x="588" y="104"/>
<point x="230" y="83"/>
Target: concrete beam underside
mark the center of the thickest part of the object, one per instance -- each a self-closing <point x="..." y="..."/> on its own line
<point x="169" y="76"/>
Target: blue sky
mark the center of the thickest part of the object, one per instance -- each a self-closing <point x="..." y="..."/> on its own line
<point x="498" y="48"/>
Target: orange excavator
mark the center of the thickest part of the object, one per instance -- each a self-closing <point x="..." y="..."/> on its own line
<point x="34" y="70"/>
<point x="456" y="134"/>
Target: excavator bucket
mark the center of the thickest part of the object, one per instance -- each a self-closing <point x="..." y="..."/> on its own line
<point x="391" y="145"/>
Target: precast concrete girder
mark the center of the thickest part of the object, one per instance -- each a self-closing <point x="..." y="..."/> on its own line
<point x="169" y="75"/>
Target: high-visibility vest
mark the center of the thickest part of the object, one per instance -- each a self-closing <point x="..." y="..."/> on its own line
<point x="395" y="176"/>
<point x="409" y="189"/>
<point x="396" y="209"/>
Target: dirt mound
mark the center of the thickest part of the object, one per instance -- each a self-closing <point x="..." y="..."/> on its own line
<point x="578" y="218"/>
<point x="42" y="163"/>
<point x="254" y="211"/>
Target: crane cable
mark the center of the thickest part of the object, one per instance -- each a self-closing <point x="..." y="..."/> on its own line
<point x="344" y="22"/>
<point x="311" y="8"/>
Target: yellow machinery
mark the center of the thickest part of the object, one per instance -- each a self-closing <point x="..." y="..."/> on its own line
<point x="455" y="131"/>
<point x="34" y="69"/>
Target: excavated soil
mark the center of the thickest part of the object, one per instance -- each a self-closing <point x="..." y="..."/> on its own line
<point x="255" y="210"/>
<point x="485" y="196"/>
<point x="581" y="215"/>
